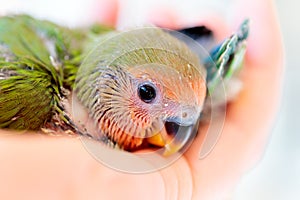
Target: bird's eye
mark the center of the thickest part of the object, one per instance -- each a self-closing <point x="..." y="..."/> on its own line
<point x="147" y="92"/>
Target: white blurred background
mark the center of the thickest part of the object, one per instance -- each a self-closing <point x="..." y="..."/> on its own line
<point x="277" y="176"/>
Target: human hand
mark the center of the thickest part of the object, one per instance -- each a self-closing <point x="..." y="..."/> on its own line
<point x="37" y="166"/>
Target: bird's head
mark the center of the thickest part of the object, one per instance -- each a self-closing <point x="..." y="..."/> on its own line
<point x="148" y="97"/>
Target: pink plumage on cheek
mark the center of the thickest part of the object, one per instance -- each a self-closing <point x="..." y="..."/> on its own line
<point x="141" y="117"/>
<point x="139" y="112"/>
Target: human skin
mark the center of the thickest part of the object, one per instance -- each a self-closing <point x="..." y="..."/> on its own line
<point x="35" y="166"/>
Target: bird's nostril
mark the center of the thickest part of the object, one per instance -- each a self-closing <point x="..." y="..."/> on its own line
<point x="171" y="128"/>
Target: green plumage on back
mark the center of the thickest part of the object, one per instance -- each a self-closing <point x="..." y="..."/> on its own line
<point x="26" y="99"/>
<point x="38" y="61"/>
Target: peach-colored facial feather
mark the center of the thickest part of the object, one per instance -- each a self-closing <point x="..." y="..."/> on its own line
<point x="128" y="60"/>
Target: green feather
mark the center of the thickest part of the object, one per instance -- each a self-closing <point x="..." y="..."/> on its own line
<point x="38" y="60"/>
<point x="227" y="58"/>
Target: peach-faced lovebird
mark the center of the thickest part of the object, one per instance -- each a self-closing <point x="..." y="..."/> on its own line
<point x="140" y="88"/>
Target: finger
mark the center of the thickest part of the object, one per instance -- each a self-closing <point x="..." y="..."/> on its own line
<point x="49" y="167"/>
<point x="249" y="117"/>
<point x="164" y="17"/>
<point x="167" y="18"/>
<point x="105" y="12"/>
<point x="262" y="76"/>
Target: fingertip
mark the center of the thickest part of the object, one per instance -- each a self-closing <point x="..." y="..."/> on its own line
<point x="106" y="12"/>
<point x="265" y="42"/>
<point x="163" y="17"/>
<point x="168" y="18"/>
<point x="216" y="23"/>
